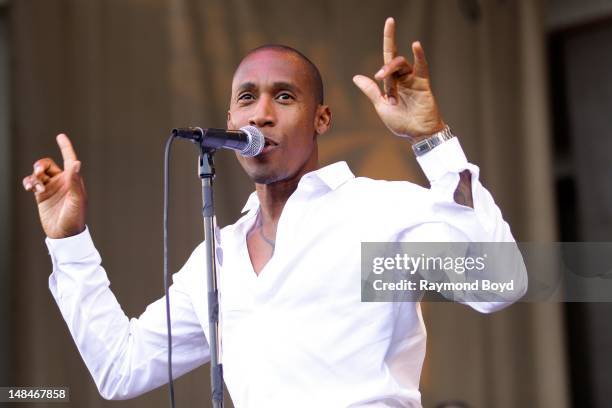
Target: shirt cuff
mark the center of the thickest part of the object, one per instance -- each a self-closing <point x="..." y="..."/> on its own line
<point x="71" y="249"/>
<point x="447" y="157"/>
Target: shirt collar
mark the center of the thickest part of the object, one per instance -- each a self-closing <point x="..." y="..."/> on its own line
<point x="331" y="176"/>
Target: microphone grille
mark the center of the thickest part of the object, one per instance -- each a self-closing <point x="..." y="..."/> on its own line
<point x="256" y="141"/>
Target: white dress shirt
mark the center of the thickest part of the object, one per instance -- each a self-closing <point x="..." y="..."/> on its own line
<point x="298" y="334"/>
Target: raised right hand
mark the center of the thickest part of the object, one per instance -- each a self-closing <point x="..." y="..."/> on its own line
<point x="60" y="194"/>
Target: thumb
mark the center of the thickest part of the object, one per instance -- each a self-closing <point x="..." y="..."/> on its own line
<point x="368" y="87"/>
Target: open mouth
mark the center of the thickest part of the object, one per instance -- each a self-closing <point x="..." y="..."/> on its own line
<point x="269" y="142"/>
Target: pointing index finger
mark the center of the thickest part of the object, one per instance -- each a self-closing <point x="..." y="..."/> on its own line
<point x="68" y="153"/>
<point x="389" y="48"/>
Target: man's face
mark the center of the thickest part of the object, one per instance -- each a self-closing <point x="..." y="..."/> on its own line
<point x="273" y="91"/>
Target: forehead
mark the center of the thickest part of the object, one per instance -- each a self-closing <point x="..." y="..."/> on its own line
<point x="272" y="66"/>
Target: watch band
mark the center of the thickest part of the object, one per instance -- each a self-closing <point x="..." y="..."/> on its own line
<point x="426" y="145"/>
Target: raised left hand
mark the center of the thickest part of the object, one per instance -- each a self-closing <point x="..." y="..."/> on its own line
<point x="406" y="105"/>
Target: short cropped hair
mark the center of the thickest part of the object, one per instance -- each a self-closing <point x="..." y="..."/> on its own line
<point x="313" y="71"/>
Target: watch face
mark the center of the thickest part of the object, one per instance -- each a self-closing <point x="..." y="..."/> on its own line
<point x="421" y="148"/>
<point x="436" y="139"/>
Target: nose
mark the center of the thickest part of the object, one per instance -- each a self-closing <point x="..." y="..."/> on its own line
<point x="263" y="113"/>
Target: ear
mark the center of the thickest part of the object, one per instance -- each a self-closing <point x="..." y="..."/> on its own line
<point x="323" y="117"/>
<point x="229" y="123"/>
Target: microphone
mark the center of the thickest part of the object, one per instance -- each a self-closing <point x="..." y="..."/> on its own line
<point x="249" y="140"/>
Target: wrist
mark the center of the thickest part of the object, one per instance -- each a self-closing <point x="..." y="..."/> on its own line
<point x="61" y="233"/>
<point x="427" y="133"/>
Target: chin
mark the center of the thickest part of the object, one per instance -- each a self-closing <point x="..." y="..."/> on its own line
<point x="263" y="176"/>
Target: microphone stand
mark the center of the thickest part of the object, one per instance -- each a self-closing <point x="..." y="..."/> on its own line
<point x="207" y="174"/>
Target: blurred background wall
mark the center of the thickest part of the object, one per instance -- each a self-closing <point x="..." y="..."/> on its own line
<point x="580" y="66"/>
<point x="515" y="79"/>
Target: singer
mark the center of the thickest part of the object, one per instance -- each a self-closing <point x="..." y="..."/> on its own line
<point x="295" y="332"/>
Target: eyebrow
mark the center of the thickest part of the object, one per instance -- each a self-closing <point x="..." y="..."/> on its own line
<point x="250" y="86"/>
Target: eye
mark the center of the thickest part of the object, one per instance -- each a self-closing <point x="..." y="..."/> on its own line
<point x="285" y="97"/>
<point x="245" y="97"/>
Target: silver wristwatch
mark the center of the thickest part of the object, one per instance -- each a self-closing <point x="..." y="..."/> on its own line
<point x="426" y="145"/>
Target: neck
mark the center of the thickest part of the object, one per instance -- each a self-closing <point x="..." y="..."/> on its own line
<point x="274" y="196"/>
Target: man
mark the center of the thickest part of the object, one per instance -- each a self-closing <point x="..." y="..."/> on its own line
<point x="295" y="332"/>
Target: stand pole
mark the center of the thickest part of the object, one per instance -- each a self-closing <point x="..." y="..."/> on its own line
<point x="207" y="173"/>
